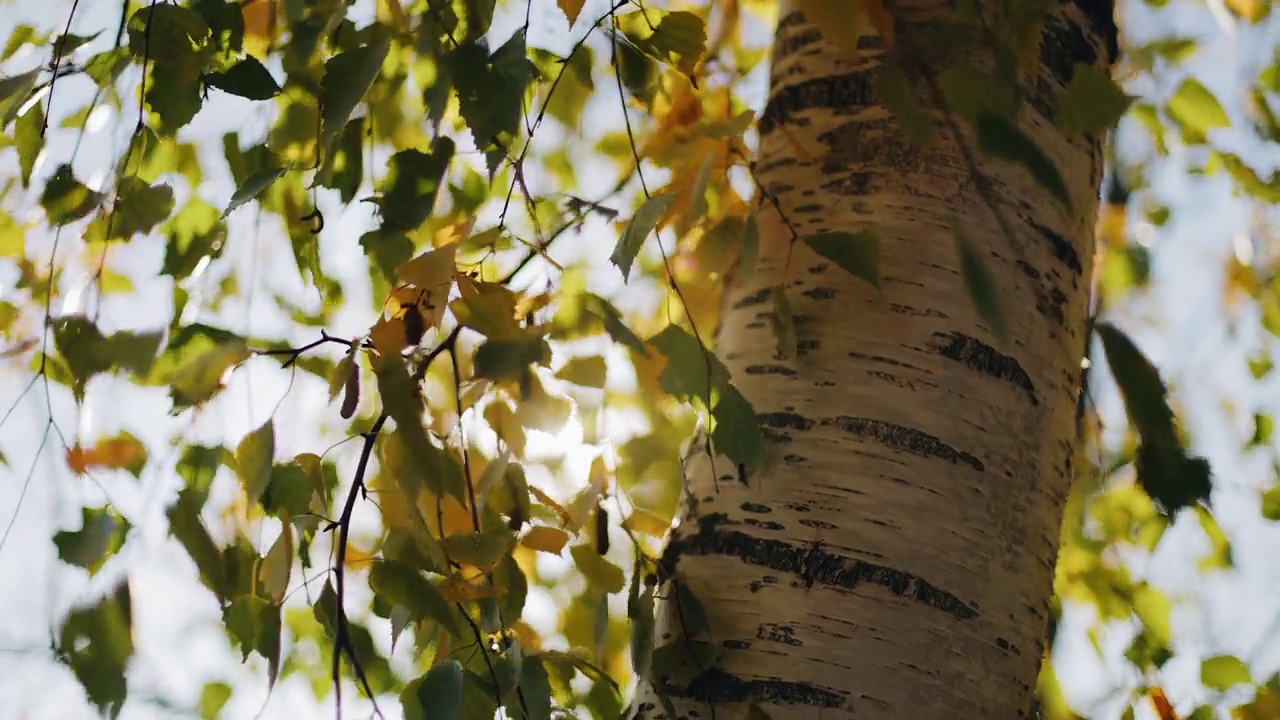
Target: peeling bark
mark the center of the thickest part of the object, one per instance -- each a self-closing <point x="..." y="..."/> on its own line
<point x="894" y="557"/>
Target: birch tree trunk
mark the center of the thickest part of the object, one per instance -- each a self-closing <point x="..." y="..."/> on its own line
<point x="894" y="557"/>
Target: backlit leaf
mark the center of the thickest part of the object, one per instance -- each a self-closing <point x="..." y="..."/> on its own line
<point x="253" y="186"/>
<point x="254" y="625"/>
<point x="1195" y="108"/>
<point x="637" y="230"/>
<point x="1092" y="103"/>
<point x="102" y="532"/>
<point x="247" y="78"/>
<point x="1223" y="672"/>
<point x="65" y="199"/>
<point x="96" y="643"/>
<point x="675" y="38"/>
<point x="545" y="538"/>
<point x="253" y="460"/>
<point x="437" y="695"/>
<point x="597" y="570"/>
<point x="348" y="76"/>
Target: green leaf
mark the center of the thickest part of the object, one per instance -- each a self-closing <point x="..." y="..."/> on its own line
<point x="675" y="38"/>
<point x="138" y="207"/>
<point x="289" y="491"/>
<point x="491" y="91"/>
<point x="187" y="528"/>
<point x="405" y="586"/>
<point x="1092" y="103"/>
<point x="981" y="285"/>
<point x="692" y="371"/>
<point x="213" y="697"/>
<point x="253" y="460"/>
<point x="254" y="624"/>
<point x="65" y="199"/>
<point x="500" y="359"/>
<point x="584" y="371"/>
<point x="253" y="186"/>
<point x="437" y="695"/>
<point x="597" y="570"/>
<point x="783" y="323"/>
<point x="482" y="550"/>
<point x="26" y="136"/>
<point x="642" y="633"/>
<point x="14" y="92"/>
<point x="413" y="179"/>
<point x="247" y="78"/>
<point x="736" y="432"/>
<point x="1196" y="109"/>
<point x="96" y="643"/>
<point x="1223" y="672"/>
<point x="1000" y="137"/>
<point x="534" y="701"/>
<point x="348" y="77"/>
<point x="634" y="235"/>
<point x="856" y="253"/>
<point x="102" y="532"/>
<point x="1271" y="504"/>
<point x="1169" y="475"/>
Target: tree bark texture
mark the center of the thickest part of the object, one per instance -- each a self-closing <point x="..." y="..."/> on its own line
<point x="894" y="556"/>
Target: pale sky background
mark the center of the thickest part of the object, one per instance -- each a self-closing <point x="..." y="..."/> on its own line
<point x="179" y="639"/>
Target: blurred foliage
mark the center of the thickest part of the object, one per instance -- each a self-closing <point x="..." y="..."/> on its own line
<point x="477" y="348"/>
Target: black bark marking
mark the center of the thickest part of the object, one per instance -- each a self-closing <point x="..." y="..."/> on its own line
<point x="817" y="524"/>
<point x="804" y="346"/>
<point x="792" y="421"/>
<point x="839" y="93"/>
<point x="810" y="563"/>
<point x="888" y="361"/>
<point x="819" y="269"/>
<point x="806" y="209"/>
<point x="756" y="508"/>
<point x="717" y="686"/>
<point x="917" y="312"/>
<point x="736" y="644"/>
<point x="899" y="437"/>
<point x="1060" y="246"/>
<point x="819" y="293"/>
<point x="764" y="524"/>
<point x="774" y="632"/>
<point x="793" y="459"/>
<point x="782" y="370"/>
<point x="759" y="297"/>
<point x="981" y="357"/>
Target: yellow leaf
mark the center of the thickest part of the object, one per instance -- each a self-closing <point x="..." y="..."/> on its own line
<point x="545" y="499"/>
<point x="571" y="8"/>
<point x="274" y="571"/>
<point x="837" y="24"/>
<point x="388" y="336"/>
<point x="646" y="523"/>
<point x="545" y="538"/>
<point x="597" y="570"/>
<point x="431" y="270"/>
<point x="259" y="18"/>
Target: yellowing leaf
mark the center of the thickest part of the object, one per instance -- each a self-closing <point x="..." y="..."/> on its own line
<point x="432" y="269"/>
<point x="545" y="538"/>
<point x="481" y="550"/>
<point x="646" y="523"/>
<point x="123" y="452"/>
<point x="274" y="571"/>
<point x="571" y="9"/>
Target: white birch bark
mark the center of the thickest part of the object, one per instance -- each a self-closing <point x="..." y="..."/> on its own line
<point x="894" y="558"/>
